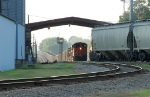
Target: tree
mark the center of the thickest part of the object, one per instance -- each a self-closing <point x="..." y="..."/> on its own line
<point x="51" y="45"/>
<point x="75" y="39"/>
<point x="141" y="11"/>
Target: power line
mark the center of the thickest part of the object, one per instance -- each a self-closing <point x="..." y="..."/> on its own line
<point x="39" y="16"/>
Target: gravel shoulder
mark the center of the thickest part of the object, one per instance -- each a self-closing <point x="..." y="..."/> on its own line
<point x="89" y="89"/>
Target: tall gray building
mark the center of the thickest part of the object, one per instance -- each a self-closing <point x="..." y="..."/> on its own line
<point x="14" y="9"/>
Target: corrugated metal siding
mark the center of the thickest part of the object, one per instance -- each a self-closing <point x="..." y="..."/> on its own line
<point x="7" y="49"/>
<point x="14" y="9"/>
<point x="142" y="32"/>
<point x="8" y="43"/>
<point x="21" y="42"/>
<point x="110" y="37"/>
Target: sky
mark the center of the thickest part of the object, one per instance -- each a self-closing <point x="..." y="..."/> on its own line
<point x="41" y="10"/>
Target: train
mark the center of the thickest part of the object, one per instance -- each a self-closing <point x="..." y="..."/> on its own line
<point x="76" y="52"/>
<point x="121" y="42"/>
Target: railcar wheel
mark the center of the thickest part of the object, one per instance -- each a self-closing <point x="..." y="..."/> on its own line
<point x="142" y="56"/>
<point x="96" y="57"/>
<point x="130" y="57"/>
<point x="100" y="57"/>
<point x="103" y="58"/>
<point x="135" y="57"/>
<point x="148" y="57"/>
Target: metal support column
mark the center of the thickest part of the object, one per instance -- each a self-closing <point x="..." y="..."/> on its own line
<point x="60" y="42"/>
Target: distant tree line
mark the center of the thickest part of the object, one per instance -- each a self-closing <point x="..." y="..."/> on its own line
<point x="141" y="11"/>
<point x="51" y="45"/>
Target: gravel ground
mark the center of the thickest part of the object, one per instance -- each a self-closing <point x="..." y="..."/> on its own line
<point x="89" y="68"/>
<point x="89" y="89"/>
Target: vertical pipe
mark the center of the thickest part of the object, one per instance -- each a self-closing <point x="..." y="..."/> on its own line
<point x="131" y="12"/>
<point x="21" y="53"/>
<point x="16" y="29"/>
<point x="0" y="6"/>
<point x="16" y="40"/>
<point x="28" y="19"/>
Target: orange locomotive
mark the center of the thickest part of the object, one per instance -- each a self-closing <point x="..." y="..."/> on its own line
<point x="79" y="50"/>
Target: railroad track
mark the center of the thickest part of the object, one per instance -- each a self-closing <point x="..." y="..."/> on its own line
<point x="126" y="62"/>
<point x="116" y="70"/>
<point x="42" y="59"/>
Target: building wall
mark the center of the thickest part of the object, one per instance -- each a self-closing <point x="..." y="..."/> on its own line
<point x="7" y="42"/>
<point x="14" y="9"/>
<point x="9" y="33"/>
<point x="21" y="42"/>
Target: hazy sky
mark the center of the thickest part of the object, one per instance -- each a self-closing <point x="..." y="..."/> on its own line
<point x="101" y="10"/>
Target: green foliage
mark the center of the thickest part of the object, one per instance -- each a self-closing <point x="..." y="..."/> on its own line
<point x="124" y="17"/>
<point x="51" y="45"/>
<point x="141" y="11"/>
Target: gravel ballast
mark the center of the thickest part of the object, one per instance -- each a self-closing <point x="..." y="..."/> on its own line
<point x="87" y="89"/>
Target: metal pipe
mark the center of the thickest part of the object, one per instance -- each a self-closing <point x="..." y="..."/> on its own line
<point x="131" y="12"/>
<point x="16" y="40"/>
<point x="0" y="6"/>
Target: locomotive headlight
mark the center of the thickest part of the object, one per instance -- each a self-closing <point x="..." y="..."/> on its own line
<point x="80" y="48"/>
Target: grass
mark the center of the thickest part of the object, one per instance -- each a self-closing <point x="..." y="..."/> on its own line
<point x="39" y="71"/>
<point x="143" y="65"/>
<point x="141" y="93"/>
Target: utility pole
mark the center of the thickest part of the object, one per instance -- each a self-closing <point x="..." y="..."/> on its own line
<point x="131" y="26"/>
<point x="60" y="41"/>
<point x="34" y="49"/>
<point x="35" y="52"/>
<point x="131" y="12"/>
<point x="33" y="45"/>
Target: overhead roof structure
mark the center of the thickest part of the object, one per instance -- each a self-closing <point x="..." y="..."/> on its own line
<point x="65" y="21"/>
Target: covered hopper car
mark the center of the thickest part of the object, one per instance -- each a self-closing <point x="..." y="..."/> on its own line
<point x="116" y="42"/>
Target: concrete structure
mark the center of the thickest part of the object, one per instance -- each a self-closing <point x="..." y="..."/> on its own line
<point x="14" y="9"/>
<point x="12" y="43"/>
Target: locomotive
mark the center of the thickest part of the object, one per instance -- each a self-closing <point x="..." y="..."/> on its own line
<point x="79" y="51"/>
<point x="116" y="42"/>
<point x="76" y="52"/>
